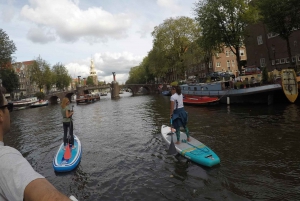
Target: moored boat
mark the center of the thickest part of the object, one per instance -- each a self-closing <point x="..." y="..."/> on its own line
<point x="40" y="103"/>
<point x="166" y="93"/>
<point x="200" y="100"/>
<point x="289" y="84"/>
<point x="226" y="93"/>
<point x="25" y="102"/>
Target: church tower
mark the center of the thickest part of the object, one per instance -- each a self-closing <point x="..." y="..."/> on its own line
<point x="93" y="73"/>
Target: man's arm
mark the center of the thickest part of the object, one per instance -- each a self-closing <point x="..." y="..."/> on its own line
<point x="42" y="190"/>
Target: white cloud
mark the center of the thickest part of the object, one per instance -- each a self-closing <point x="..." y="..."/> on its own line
<point x="40" y="35"/>
<point x="105" y="64"/>
<point x="169" y="4"/>
<point x="116" y="34"/>
<point x="71" y="23"/>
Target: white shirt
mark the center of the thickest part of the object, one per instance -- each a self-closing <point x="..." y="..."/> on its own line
<point x="179" y="99"/>
<point x="15" y="174"/>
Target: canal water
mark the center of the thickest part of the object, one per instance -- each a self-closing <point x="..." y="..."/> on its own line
<point x="124" y="157"/>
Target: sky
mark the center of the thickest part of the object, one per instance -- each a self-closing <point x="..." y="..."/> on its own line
<point x="115" y="34"/>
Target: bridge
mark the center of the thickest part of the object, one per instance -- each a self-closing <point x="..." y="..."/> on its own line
<point x="150" y="88"/>
<point x="52" y="97"/>
<point x="135" y="88"/>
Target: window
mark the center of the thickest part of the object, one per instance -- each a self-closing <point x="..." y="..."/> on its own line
<point x="231" y="53"/>
<point x="217" y="55"/>
<point x="228" y="64"/>
<point x="232" y="63"/>
<point x="262" y="62"/>
<point x="293" y="59"/>
<point x="242" y="52"/>
<point x="210" y="64"/>
<point x="259" y="40"/>
<point x="218" y="64"/>
<point x="277" y="61"/>
<point x="227" y="53"/>
<point x="273" y="62"/>
<point x="282" y="61"/>
<point x="287" y="60"/>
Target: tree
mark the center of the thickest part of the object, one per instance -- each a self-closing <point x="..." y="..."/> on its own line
<point x="89" y="81"/>
<point x="38" y="72"/>
<point x="10" y="79"/>
<point x="171" y="41"/>
<point x="7" y="48"/>
<point x="281" y="17"/>
<point x="61" y="76"/>
<point x="223" y="23"/>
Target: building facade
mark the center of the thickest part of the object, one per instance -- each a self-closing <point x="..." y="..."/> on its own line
<point x="224" y="61"/>
<point x="267" y="49"/>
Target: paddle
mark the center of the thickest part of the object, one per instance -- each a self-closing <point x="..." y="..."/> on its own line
<point x="172" y="149"/>
<point x="67" y="154"/>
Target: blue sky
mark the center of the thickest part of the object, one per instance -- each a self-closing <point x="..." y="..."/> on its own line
<point x="116" y="34"/>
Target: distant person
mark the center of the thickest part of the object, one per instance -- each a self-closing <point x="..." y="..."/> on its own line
<point x="18" y="180"/>
<point x="177" y="113"/>
<point x="67" y="122"/>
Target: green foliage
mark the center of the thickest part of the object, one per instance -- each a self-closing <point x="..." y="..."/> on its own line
<point x="40" y="95"/>
<point x="223" y="23"/>
<point x="7" y="48"/>
<point x="61" y="76"/>
<point x="10" y="79"/>
<point x="265" y="75"/>
<point x="40" y="73"/>
<point x="89" y="81"/>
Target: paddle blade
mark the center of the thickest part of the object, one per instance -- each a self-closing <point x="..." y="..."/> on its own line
<point x="67" y="154"/>
<point x="172" y="148"/>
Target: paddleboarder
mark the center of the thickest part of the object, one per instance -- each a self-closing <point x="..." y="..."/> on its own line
<point x="67" y="122"/>
<point x="18" y="180"/>
<point x="177" y="113"/>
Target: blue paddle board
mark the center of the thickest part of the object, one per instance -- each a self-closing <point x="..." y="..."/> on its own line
<point x="60" y="164"/>
<point x="194" y="150"/>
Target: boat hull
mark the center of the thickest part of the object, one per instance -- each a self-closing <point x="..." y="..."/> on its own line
<point x="258" y="94"/>
<point x="200" y="100"/>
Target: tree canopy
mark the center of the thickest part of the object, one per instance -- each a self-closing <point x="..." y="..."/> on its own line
<point x="223" y="23"/>
<point x="10" y="79"/>
<point x="61" y="76"/>
<point x="7" y="48"/>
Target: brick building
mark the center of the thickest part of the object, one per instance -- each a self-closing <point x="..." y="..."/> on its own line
<point x="266" y="49"/>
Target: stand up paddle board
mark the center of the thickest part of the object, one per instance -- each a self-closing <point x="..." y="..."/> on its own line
<point x="194" y="150"/>
<point x="60" y="164"/>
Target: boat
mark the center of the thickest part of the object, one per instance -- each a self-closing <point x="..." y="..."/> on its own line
<point x="25" y="102"/>
<point x="60" y="164"/>
<point x="87" y="98"/>
<point x="200" y="100"/>
<point x="39" y="104"/>
<point x="193" y="150"/>
<point x="289" y="84"/>
<point x="227" y="94"/>
<point x="166" y="93"/>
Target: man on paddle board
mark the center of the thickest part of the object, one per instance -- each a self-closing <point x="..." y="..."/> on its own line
<point x="177" y="113"/>
<point x="18" y="180"/>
